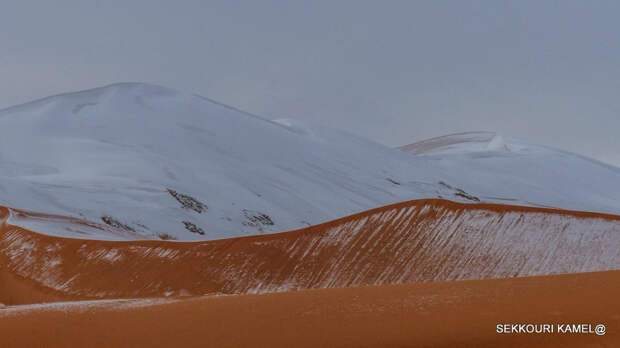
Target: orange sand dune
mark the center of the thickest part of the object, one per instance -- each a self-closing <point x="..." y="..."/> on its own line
<point x="439" y="314"/>
<point x="423" y="240"/>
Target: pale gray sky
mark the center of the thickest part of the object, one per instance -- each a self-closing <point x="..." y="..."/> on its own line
<point x="393" y="71"/>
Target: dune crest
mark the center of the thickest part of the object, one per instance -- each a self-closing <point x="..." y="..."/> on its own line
<point x="415" y="241"/>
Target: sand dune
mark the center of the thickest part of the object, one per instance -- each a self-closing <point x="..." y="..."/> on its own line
<point x="424" y="240"/>
<point x="440" y="314"/>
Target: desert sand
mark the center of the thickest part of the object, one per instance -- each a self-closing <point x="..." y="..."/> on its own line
<point x="439" y="314"/>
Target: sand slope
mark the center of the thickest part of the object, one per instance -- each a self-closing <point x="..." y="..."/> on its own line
<point x="441" y="314"/>
<point x="424" y="240"/>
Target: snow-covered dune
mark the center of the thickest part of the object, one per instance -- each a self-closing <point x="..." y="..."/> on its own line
<point x="149" y="162"/>
<point x="153" y="161"/>
<point x="503" y="169"/>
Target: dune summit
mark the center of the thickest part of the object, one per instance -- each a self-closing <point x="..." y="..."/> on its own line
<point x="416" y="241"/>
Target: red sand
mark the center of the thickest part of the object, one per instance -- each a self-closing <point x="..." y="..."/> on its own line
<point x="423" y="240"/>
<point x="438" y="314"/>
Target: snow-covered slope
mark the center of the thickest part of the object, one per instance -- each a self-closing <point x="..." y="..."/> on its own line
<point x="503" y="169"/>
<point x="151" y="162"/>
<point x="154" y="161"/>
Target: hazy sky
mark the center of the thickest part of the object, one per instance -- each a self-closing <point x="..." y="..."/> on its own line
<point x="393" y="71"/>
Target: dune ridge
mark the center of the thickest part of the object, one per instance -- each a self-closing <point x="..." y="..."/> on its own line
<point x="414" y="241"/>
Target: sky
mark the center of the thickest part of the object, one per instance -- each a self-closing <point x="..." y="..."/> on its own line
<point x="547" y="72"/>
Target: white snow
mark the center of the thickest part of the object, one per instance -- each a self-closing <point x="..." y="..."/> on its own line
<point x="83" y="306"/>
<point x="114" y="151"/>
